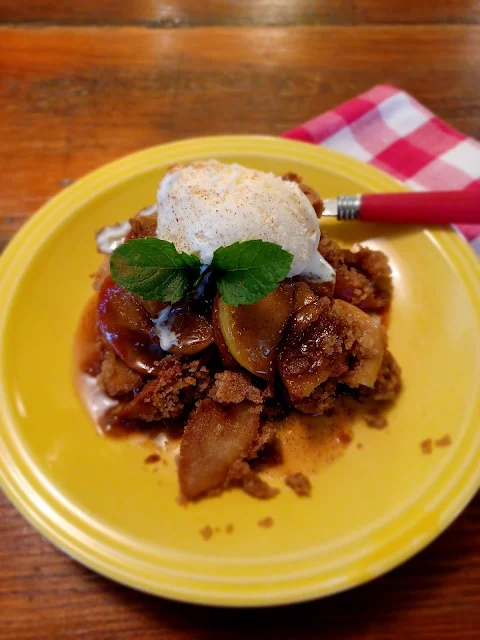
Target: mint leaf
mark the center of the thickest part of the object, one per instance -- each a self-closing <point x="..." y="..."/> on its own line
<point x="153" y="269"/>
<point x="248" y="271"/>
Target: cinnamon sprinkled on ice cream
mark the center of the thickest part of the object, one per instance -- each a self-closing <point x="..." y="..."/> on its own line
<point x="206" y="205"/>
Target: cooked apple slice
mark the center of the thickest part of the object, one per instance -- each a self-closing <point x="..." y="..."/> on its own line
<point x="330" y="340"/>
<point x="194" y="332"/>
<point x="227" y="358"/>
<point x="313" y="350"/>
<point x="305" y="366"/>
<point x="303" y="318"/>
<point x="216" y="442"/>
<point x="252" y="332"/>
<point x="303" y="295"/>
<point x="369" y="349"/>
<point x="125" y="325"/>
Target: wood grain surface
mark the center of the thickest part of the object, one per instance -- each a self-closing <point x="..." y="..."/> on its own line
<point x="177" y="13"/>
<point x="74" y="98"/>
<point x="82" y="83"/>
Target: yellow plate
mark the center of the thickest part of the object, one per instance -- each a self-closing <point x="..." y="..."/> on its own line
<point x="95" y="498"/>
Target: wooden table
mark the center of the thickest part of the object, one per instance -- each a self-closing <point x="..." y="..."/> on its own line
<point x="82" y="83"/>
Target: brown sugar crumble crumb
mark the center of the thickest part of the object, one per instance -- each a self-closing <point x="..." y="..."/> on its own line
<point x="266" y="523"/>
<point x="445" y="441"/>
<point x="177" y="385"/>
<point x="206" y="532"/>
<point x="359" y="445"/>
<point x="115" y="377"/>
<point x="233" y="387"/>
<point x="152" y="458"/>
<point x="427" y="446"/>
<point x="229" y="528"/>
<point x="299" y="483"/>
<point x="258" y="488"/>
<point x="375" y="420"/>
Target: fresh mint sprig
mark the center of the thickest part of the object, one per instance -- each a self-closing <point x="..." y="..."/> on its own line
<point x="248" y="271"/>
<point x="154" y="269"/>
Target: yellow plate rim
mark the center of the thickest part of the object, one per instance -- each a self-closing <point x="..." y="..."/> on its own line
<point x="17" y="481"/>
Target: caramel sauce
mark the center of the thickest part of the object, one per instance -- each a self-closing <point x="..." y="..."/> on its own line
<point x="308" y="443"/>
<point x="87" y="352"/>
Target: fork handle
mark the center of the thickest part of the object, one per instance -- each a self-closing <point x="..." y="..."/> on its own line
<point x="442" y="207"/>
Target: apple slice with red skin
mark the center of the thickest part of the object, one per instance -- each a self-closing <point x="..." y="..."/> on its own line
<point x="126" y="326"/>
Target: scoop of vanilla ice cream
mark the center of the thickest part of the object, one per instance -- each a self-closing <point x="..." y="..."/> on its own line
<point x="206" y="205"/>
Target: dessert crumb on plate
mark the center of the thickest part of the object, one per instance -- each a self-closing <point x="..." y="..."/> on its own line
<point x="206" y="532"/>
<point x="152" y="458"/>
<point x="299" y="483"/>
<point x="375" y="420"/>
<point x="427" y="446"/>
<point x="266" y="523"/>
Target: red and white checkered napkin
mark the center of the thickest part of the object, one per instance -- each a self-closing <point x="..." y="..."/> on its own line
<point x="388" y="129"/>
